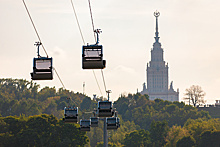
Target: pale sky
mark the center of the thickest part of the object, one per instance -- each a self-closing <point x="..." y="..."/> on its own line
<point x="189" y="33"/>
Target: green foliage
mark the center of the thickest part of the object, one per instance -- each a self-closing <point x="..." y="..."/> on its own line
<point x="187" y="141"/>
<point x="125" y="128"/>
<point x="197" y="132"/>
<point x="174" y="134"/>
<point x="136" y="138"/>
<point x="199" y="126"/>
<point x="115" y="136"/>
<point x="158" y="133"/>
<point x="19" y="96"/>
<point x="24" y="99"/>
<point x="96" y="134"/>
<point x="210" y="138"/>
<point x="39" y="130"/>
<point x="142" y="111"/>
<point x="46" y="92"/>
<point x="213" y="111"/>
<point x="110" y="144"/>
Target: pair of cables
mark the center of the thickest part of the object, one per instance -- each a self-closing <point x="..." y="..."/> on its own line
<point x="81" y="37"/>
<point x="93" y="29"/>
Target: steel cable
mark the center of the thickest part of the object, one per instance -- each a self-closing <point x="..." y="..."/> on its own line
<point x="93" y="27"/>
<point x="84" y="41"/>
<point x="34" y="26"/>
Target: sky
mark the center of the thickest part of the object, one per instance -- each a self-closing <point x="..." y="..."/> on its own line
<point x="189" y="34"/>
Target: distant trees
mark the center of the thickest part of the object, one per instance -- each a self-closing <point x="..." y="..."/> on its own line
<point x="140" y="138"/>
<point x="143" y="122"/>
<point x="199" y="133"/>
<point x="18" y="96"/>
<point x="195" y="94"/>
<point x="125" y="128"/>
<point x="210" y="138"/>
<point x="174" y="134"/>
<point x="142" y="111"/>
<point x="158" y="133"/>
<point x="199" y="126"/>
<point x="186" y="141"/>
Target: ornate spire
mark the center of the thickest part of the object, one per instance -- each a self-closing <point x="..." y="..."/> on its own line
<point x="156" y="14"/>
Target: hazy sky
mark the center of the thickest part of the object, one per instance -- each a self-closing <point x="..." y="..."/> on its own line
<point x="189" y="33"/>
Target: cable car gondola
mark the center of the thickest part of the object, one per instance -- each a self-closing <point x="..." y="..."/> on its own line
<point x="112" y="123"/>
<point x="85" y="124"/>
<point x="42" y="67"/>
<point x="92" y="55"/>
<point x="71" y="115"/>
<point x="105" y="109"/>
<point x="94" y="121"/>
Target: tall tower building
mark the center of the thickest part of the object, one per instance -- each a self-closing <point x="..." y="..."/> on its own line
<point x="157" y="73"/>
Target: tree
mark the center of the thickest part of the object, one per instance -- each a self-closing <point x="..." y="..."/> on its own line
<point x="158" y="132"/>
<point x="125" y="128"/>
<point x="175" y="133"/>
<point x="195" y="94"/>
<point x="187" y="141"/>
<point x="140" y="138"/>
<point x="110" y="144"/>
<point x="210" y="138"/>
<point x="39" y="130"/>
<point x="198" y="126"/>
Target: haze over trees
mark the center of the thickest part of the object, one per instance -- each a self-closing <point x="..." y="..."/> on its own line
<point x="30" y="116"/>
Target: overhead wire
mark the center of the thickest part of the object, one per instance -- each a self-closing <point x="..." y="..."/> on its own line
<point x="96" y="41"/>
<point x="104" y="81"/>
<point x="43" y="46"/>
<point x="34" y="26"/>
<point x="78" y="22"/>
<point x="93" y="27"/>
<point x="97" y="81"/>
<point x="59" y="78"/>
<point x="81" y="37"/>
<point x="84" y="41"/>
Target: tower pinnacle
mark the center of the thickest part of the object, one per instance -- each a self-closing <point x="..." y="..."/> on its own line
<point x="156" y="14"/>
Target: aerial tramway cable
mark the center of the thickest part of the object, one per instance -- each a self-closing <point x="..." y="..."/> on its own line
<point x="93" y="27"/>
<point x="77" y="22"/>
<point x="43" y="46"/>
<point x="83" y="38"/>
<point x="96" y="40"/>
<point x="104" y="80"/>
<point x="34" y="26"/>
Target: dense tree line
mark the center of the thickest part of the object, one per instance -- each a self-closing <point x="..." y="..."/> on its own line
<point x="39" y="130"/>
<point x="198" y="133"/>
<point x="142" y="111"/>
<point x="24" y="108"/>
<point x="47" y="130"/>
<point x="18" y="96"/>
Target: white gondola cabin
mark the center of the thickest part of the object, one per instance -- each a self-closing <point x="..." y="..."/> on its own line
<point x="85" y="124"/>
<point x="105" y="109"/>
<point x="112" y="123"/>
<point x="42" y="66"/>
<point x="42" y="69"/>
<point x="92" y="57"/>
<point x="94" y="121"/>
<point x="70" y="115"/>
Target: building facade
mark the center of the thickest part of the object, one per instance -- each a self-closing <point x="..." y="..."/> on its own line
<point x="157" y="73"/>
